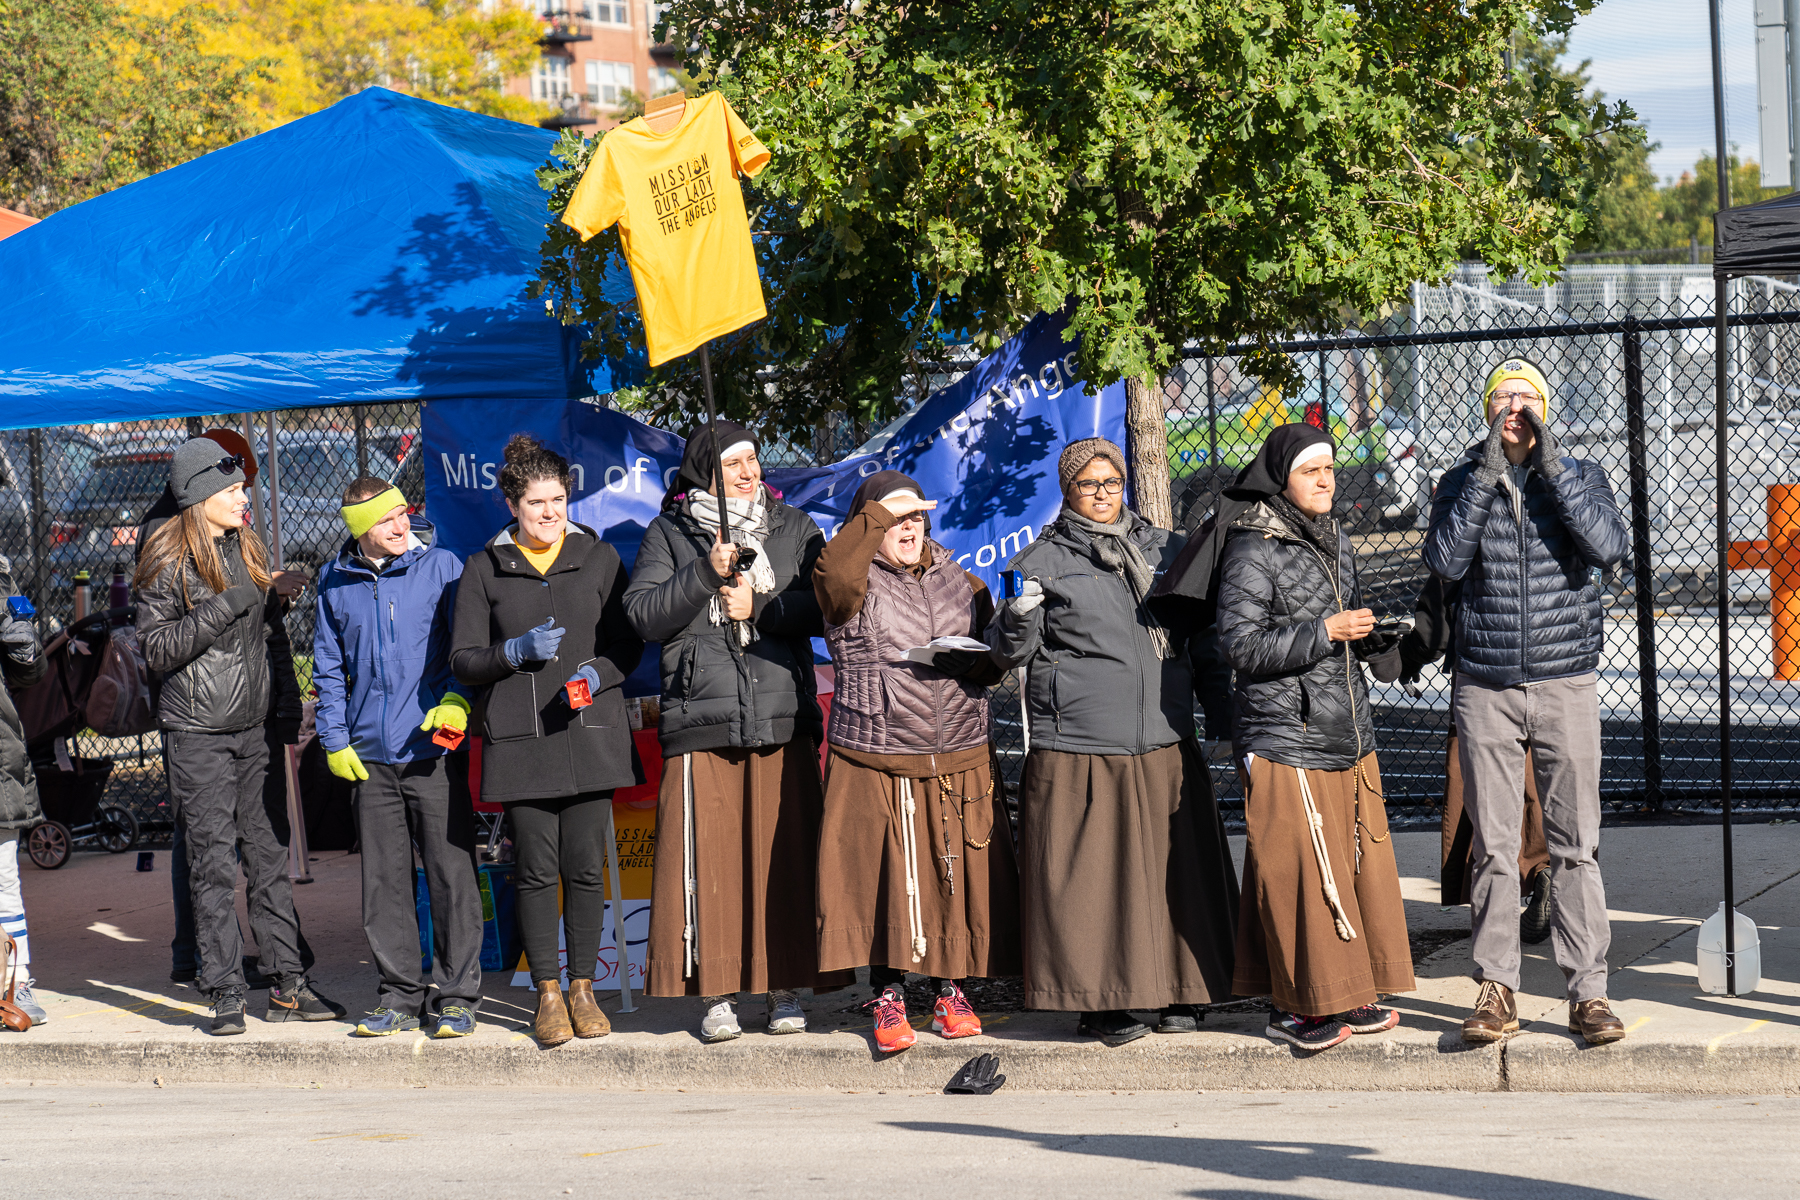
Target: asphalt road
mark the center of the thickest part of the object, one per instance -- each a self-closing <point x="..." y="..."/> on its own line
<point x="201" y="1142"/>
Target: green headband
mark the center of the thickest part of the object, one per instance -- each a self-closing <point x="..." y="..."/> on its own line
<point x="365" y="515"/>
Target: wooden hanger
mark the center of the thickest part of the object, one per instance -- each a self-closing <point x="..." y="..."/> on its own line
<point x="665" y="112"/>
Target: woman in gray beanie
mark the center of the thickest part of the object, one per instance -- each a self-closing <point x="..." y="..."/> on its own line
<point x="208" y="623"/>
<point x="1128" y="898"/>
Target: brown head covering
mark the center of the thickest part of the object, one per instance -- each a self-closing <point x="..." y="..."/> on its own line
<point x="1077" y="455"/>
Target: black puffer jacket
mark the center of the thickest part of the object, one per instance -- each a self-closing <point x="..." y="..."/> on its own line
<point x="1530" y="605"/>
<point x="536" y="746"/>
<point x="1301" y="698"/>
<point x="19" y="805"/>
<point x="225" y="658"/>
<point x="715" y="693"/>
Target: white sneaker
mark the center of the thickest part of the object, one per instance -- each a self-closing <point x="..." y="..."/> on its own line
<point x="26" y="1001"/>
<point x="785" y="1014"/>
<point x="720" y="1024"/>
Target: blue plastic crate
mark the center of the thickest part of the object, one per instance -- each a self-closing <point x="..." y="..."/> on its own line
<point x="500" y="948"/>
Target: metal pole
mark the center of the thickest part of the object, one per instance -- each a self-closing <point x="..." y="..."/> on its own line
<point x="1722" y="502"/>
<point x="362" y="439"/>
<point x="1643" y="568"/>
<point x="712" y="421"/>
<point x="299" y="866"/>
<point x="272" y="472"/>
<point x="1212" y="418"/>
<point x="40" y="527"/>
<point x="256" y="503"/>
<point x="618" y="912"/>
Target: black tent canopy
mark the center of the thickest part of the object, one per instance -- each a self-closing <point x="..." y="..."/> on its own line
<point x="1758" y="239"/>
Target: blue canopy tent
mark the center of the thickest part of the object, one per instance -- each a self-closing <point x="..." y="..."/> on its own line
<point x="376" y="251"/>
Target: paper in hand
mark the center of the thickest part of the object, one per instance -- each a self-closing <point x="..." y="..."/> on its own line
<point x="924" y="654"/>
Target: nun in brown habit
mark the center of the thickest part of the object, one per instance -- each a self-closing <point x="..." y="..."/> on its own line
<point x="916" y="865"/>
<point x="1322" y="928"/>
<point x="1128" y="898"/>
<point x="732" y="892"/>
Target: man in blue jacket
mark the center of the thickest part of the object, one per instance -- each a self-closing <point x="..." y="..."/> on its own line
<point x="381" y="663"/>
<point x="1527" y="531"/>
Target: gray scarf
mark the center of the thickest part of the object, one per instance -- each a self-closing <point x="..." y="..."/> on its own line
<point x="1119" y="554"/>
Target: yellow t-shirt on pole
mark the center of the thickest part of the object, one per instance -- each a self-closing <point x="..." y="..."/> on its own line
<point x="682" y="222"/>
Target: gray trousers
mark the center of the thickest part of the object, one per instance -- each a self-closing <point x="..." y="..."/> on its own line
<point x="1560" y="721"/>
<point x="399" y="806"/>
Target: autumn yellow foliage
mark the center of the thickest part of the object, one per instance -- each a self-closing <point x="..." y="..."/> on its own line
<point x="317" y="52"/>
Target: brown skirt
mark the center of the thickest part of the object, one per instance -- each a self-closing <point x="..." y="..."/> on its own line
<point x="968" y="911"/>
<point x="756" y="838"/>
<point x="1128" y="896"/>
<point x="1289" y="946"/>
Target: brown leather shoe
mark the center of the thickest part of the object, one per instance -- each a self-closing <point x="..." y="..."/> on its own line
<point x="552" y="1024"/>
<point x="1495" y="1015"/>
<point x="584" y="1012"/>
<point x="1594" y="1020"/>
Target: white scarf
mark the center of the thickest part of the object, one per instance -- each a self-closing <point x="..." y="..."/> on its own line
<point x="749" y="528"/>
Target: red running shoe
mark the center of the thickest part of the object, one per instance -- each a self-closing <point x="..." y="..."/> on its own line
<point x="952" y="1017"/>
<point x="892" y="1030"/>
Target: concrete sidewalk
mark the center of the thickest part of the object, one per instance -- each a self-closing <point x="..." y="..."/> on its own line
<point x="100" y="935"/>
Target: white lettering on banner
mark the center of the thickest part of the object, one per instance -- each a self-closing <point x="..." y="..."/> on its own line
<point x="1020" y="384"/>
<point x="457" y="476"/>
<point x="1050" y="375"/>
<point x="869" y="468"/>
<point x="579" y="476"/>
<point x="989" y="554"/>
<point x="487" y="477"/>
<point x="669" y="476"/>
<point x="621" y="483"/>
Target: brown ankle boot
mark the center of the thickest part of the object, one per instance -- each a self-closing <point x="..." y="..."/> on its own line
<point x="585" y="1012"/>
<point x="1496" y="1014"/>
<point x="552" y="1023"/>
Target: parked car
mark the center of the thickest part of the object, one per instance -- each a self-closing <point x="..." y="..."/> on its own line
<point x="98" y="524"/>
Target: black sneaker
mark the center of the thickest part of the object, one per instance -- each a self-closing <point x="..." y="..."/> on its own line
<point x="299" y="1002"/>
<point x="1180" y="1018"/>
<point x="1308" y="1033"/>
<point x="1370" y="1018"/>
<point x="1534" y="922"/>
<point x="183" y="974"/>
<point x="1113" y="1028"/>
<point x="228" y="1011"/>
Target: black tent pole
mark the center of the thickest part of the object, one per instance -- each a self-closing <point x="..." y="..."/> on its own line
<point x="712" y="420"/>
<point x="1722" y="523"/>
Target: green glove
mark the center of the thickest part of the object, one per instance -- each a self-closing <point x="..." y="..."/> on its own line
<point x="345" y="765"/>
<point x="452" y="710"/>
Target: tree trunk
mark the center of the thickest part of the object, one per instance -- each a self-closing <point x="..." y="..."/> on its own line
<point x="1146" y="427"/>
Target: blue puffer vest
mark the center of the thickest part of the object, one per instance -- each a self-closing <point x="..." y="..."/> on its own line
<point x="1530" y="606"/>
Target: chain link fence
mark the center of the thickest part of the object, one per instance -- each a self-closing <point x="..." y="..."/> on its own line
<point x="1627" y="350"/>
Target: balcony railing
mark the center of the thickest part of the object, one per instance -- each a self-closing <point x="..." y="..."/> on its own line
<point x="574" y="112"/>
<point x="561" y="30"/>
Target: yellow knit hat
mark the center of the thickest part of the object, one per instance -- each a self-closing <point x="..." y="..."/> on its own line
<point x="1515" y="368"/>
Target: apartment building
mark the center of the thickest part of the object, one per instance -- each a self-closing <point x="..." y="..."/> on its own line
<point x="593" y="53"/>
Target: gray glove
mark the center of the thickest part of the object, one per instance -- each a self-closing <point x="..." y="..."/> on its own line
<point x="1031" y="594"/>
<point x="1546" y="456"/>
<point x="18" y="639"/>
<point x="534" y="645"/>
<point x="1493" y="462"/>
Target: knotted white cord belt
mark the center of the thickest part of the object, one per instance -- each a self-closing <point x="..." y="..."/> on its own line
<point x="1316" y="824"/>
<point x="909" y="849"/>
<point x="690" y="890"/>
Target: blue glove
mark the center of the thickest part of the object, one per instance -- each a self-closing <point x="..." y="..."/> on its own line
<point x="534" y="645"/>
<point x="587" y="674"/>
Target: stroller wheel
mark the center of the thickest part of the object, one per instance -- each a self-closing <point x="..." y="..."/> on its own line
<point x="48" y="845"/>
<point x="116" y="828"/>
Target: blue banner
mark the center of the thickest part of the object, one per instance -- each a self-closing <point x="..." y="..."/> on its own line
<point x="985" y="448"/>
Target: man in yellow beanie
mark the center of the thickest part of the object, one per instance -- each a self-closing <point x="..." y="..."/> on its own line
<point x="388" y="705"/>
<point x="1526" y="530"/>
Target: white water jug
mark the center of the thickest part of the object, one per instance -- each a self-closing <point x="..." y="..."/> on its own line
<point x="1748" y="950"/>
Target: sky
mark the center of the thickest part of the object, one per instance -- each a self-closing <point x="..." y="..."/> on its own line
<point x="1657" y="55"/>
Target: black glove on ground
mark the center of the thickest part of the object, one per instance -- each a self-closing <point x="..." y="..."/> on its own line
<point x="1493" y="462"/>
<point x="1546" y="456"/>
<point x="977" y="1077"/>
